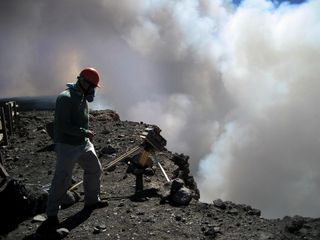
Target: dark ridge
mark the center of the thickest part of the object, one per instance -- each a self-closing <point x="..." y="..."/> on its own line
<point x="32" y="103"/>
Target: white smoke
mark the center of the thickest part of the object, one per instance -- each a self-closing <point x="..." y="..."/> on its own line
<point x="234" y="88"/>
<point x="268" y="153"/>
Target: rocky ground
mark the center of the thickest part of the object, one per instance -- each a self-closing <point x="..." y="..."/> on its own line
<point x="29" y="160"/>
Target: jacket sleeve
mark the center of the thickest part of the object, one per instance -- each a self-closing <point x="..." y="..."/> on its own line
<point x="63" y="118"/>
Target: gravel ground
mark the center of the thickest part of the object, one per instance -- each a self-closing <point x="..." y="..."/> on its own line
<point x="29" y="159"/>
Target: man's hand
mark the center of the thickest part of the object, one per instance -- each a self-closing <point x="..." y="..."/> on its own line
<point x="90" y="135"/>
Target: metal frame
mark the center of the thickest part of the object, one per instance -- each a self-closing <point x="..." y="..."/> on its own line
<point x="9" y="115"/>
<point x="3" y="128"/>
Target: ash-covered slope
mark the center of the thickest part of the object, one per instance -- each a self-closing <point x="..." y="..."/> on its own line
<point x="30" y="160"/>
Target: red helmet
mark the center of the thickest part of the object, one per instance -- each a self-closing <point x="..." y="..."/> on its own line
<point x="91" y="75"/>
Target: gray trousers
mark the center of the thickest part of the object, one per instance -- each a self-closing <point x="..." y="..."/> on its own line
<point x="67" y="157"/>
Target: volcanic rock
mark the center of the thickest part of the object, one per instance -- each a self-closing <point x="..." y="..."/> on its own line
<point x="219" y="204"/>
<point x="70" y="198"/>
<point x="176" y="185"/>
<point x="108" y="150"/>
<point x="294" y="224"/>
<point x="182" y="197"/>
<point x="104" y="116"/>
<point x="38" y="218"/>
<point x="178" y="194"/>
<point x="210" y="232"/>
<point x="62" y="232"/>
<point x="124" y="218"/>
<point x="183" y="172"/>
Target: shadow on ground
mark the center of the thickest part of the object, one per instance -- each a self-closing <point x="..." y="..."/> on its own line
<point x="70" y="223"/>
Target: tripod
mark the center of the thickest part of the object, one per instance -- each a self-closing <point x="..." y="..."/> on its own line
<point x="142" y="156"/>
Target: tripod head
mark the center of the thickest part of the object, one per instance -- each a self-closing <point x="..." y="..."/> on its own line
<point x="153" y="140"/>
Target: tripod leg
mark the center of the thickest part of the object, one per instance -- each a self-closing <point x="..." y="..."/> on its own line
<point x="139" y="183"/>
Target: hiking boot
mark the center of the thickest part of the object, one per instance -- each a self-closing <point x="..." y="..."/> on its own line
<point x="49" y="225"/>
<point x="100" y="204"/>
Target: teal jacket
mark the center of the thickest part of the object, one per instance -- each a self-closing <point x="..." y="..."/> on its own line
<point x="71" y="119"/>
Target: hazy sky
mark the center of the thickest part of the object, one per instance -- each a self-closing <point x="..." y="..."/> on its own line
<point x="235" y="86"/>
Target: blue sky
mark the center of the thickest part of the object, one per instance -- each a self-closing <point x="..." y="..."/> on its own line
<point x="237" y="2"/>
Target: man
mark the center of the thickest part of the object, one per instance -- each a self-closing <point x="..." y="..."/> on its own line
<point x="73" y="145"/>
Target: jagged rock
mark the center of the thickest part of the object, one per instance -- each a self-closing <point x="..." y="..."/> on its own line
<point x="210" y="232"/>
<point x="266" y="236"/>
<point x="180" y="159"/>
<point x="178" y="194"/>
<point x="251" y="211"/>
<point x="303" y="231"/>
<point x="182" y="197"/>
<point x="108" y="150"/>
<point x="176" y="185"/>
<point x="217" y="229"/>
<point x="39" y="218"/>
<point x="219" y="204"/>
<point x="40" y="128"/>
<point x="183" y="172"/>
<point x="99" y="228"/>
<point x="105" y="131"/>
<point x="104" y="116"/>
<point x="294" y="224"/>
<point x="254" y="212"/>
<point x="43" y="131"/>
<point x="70" y="198"/>
<point x="233" y="211"/>
<point x="62" y="232"/>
